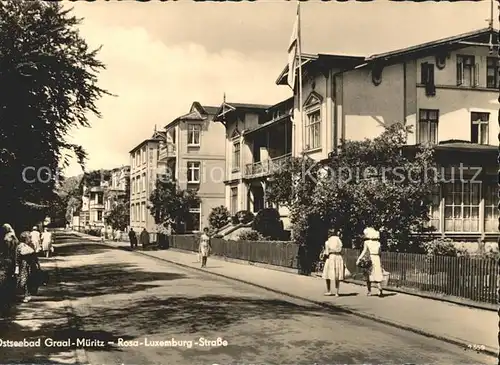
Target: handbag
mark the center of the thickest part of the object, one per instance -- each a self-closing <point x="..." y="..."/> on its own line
<point x="347" y="273"/>
<point x="25" y="249"/>
<point x="364" y="263"/>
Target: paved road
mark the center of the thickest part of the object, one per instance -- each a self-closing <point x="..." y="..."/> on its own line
<point x="118" y="294"/>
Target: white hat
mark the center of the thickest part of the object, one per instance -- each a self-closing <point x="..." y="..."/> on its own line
<point x="371" y="233"/>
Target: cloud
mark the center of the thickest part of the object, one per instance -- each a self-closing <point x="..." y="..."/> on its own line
<point x="156" y="82"/>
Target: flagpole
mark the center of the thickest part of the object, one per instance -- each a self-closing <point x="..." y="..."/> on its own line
<point x="299" y="49"/>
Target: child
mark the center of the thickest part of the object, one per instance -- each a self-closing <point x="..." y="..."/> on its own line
<point x="205" y="247"/>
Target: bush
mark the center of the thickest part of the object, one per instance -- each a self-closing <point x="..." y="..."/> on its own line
<point x="219" y="217"/>
<point x="268" y="223"/>
<point x="250" y="236"/>
<point x="442" y="247"/>
<point x="243" y="216"/>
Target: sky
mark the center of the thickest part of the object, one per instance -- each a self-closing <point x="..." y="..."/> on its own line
<point x="163" y="56"/>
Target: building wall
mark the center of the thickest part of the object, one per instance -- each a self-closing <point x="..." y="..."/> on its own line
<point x="322" y="85"/>
<point x="143" y="164"/>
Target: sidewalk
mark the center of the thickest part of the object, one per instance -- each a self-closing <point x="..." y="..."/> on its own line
<point x="47" y="316"/>
<point x="453" y="323"/>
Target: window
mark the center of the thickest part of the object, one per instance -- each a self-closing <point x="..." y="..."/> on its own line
<point x="143" y="182"/>
<point x="193" y="222"/>
<point x="313" y="131"/>
<point x="491" y="213"/>
<point x="434" y="211"/>
<point x="99" y="216"/>
<point x="461" y="206"/>
<point x="193" y="172"/>
<point x="466" y="71"/>
<point x="236" y="156"/>
<point x="428" y="126"/>
<point x="194" y="133"/>
<point x="427" y="78"/>
<point x="143" y="212"/>
<point x="479" y="128"/>
<point x="234" y="200"/>
<point x="492" y="73"/>
<point x="137" y="214"/>
<point x="132" y="213"/>
<point x="100" y="198"/>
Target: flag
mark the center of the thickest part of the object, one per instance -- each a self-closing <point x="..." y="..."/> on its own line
<point x="293" y="49"/>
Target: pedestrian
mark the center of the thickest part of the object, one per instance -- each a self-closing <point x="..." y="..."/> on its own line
<point x="133" y="238"/>
<point x="35" y="239"/>
<point x="334" y="267"/>
<point x="372" y="264"/>
<point x="205" y="247"/>
<point x="27" y="266"/>
<point x="8" y="252"/>
<point x="144" y="238"/>
<point x="103" y="234"/>
<point x="117" y="234"/>
<point x="47" y="242"/>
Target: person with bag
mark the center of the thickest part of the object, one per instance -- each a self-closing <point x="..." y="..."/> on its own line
<point x="334" y="268"/>
<point x="369" y="260"/>
<point x="47" y="242"/>
<point x="27" y="266"/>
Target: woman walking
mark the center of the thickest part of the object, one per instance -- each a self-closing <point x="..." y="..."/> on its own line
<point x="27" y="266"/>
<point x="9" y="257"/>
<point x="334" y="265"/>
<point x="371" y="247"/>
<point x="46" y="242"/>
<point x="205" y="247"/>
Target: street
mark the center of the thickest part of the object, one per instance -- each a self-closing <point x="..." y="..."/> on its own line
<point x="116" y="294"/>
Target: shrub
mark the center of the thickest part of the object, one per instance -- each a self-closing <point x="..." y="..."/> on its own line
<point x="442" y="247"/>
<point x="268" y="223"/>
<point x="250" y="235"/>
<point x="243" y="216"/>
<point x="219" y="217"/>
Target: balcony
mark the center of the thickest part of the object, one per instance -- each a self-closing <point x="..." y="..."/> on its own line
<point x="167" y="150"/>
<point x="266" y="167"/>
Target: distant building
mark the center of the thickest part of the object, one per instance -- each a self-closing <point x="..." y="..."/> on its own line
<point x="116" y="187"/>
<point x="192" y="152"/>
<point x="143" y="166"/>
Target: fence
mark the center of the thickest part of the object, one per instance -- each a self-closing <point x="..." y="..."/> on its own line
<point x="464" y="277"/>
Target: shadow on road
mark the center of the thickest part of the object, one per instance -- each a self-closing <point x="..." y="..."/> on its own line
<point x="75" y="249"/>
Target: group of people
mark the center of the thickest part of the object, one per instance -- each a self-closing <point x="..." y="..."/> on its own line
<point x="335" y="270"/>
<point x="20" y="257"/>
<point x="143" y="238"/>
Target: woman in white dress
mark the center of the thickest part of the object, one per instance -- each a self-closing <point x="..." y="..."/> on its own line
<point x="46" y="242"/>
<point x="205" y="246"/>
<point x="334" y="264"/>
<point x="372" y="248"/>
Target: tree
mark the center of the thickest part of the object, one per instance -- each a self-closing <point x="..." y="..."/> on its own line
<point x="119" y="216"/>
<point x="48" y="85"/>
<point x="373" y="182"/>
<point x="170" y="205"/>
<point x="219" y="217"/>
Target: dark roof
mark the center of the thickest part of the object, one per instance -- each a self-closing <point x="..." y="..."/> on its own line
<point x="262" y="108"/>
<point x="465" y="146"/>
<point x="281" y="103"/>
<point x="211" y="110"/>
<point x="143" y="143"/>
<point x="343" y="61"/>
<point x="433" y="44"/>
<point x="249" y="106"/>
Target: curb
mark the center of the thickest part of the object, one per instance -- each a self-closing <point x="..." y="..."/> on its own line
<point x="458" y="342"/>
<point x="330" y="306"/>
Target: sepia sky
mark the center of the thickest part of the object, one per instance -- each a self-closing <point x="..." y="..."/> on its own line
<point x="161" y="57"/>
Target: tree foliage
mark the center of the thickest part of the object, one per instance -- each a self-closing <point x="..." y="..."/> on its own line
<point x="170" y="205"/>
<point x="119" y="216"/>
<point x="373" y="183"/>
<point x="48" y="85"/>
<point x="219" y="217"/>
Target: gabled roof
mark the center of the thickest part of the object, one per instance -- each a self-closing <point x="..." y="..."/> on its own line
<point x="226" y="108"/>
<point x="143" y="143"/>
<point x="481" y="36"/>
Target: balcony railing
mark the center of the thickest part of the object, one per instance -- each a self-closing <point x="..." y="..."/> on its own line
<point x="266" y="167"/>
<point x="167" y="150"/>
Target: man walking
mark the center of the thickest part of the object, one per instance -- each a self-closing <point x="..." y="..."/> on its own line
<point x="133" y="238"/>
<point x="144" y="238"/>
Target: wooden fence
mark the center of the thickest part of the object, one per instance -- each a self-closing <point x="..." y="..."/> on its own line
<point x="471" y="278"/>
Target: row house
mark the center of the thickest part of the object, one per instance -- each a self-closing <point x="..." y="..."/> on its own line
<point x="446" y="90"/>
<point x="143" y="169"/>
<point x="192" y="152"/>
<point x="258" y="141"/>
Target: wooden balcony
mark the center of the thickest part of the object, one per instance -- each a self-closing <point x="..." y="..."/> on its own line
<point x="266" y="167"/>
<point x="167" y="150"/>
